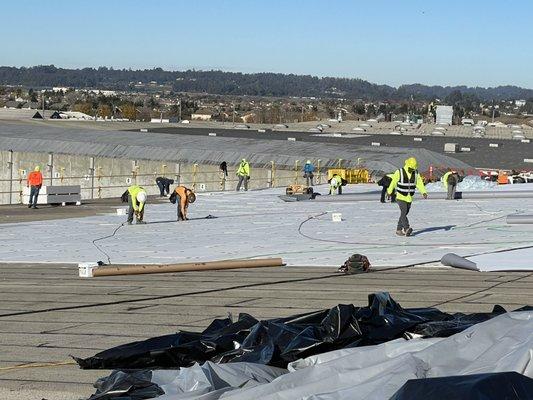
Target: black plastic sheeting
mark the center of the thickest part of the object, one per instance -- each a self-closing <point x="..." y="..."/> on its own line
<point x="279" y="341"/>
<point x="134" y="385"/>
<point x="497" y="386"/>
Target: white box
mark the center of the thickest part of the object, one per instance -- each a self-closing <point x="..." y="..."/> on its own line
<point x="212" y="134"/>
<point x="336" y="217"/>
<point x="417" y="139"/>
<point x="85" y="270"/>
<point x="493" y="145"/>
<point x="291" y="139"/>
<point x="450" y="147"/>
<point x="121" y="211"/>
<point x="525" y="140"/>
<point x="376" y="144"/>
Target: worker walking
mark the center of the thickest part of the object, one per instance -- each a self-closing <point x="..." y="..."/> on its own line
<point x="136" y="200"/>
<point x="183" y="197"/>
<point x="243" y="172"/>
<point x="164" y="185"/>
<point x="384" y="182"/>
<point x="450" y="180"/>
<point x="34" y="182"/>
<point x="405" y="181"/>
<point x="335" y="184"/>
<point x="309" y="170"/>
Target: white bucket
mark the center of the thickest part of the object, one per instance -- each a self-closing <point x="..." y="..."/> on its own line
<point x="336" y="217"/>
<point x="121" y="211"/>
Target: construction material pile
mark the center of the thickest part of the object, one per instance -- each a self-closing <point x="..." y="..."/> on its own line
<point x="326" y="352"/>
<point x="469" y="183"/>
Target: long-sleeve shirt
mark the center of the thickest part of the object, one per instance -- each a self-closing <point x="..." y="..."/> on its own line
<point x="244" y="169"/>
<point x="35" y="178"/>
<point x="419" y="183"/>
<point x="134" y="191"/>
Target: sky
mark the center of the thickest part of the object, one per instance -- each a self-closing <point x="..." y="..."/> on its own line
<point x="468" y="42"/>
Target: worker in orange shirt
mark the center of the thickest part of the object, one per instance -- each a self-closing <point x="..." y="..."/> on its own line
<point x="35" y="181"/>
<point x="183" y="196"/>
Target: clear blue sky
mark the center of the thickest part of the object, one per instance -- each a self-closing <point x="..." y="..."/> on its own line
<point x="446" y="42"/>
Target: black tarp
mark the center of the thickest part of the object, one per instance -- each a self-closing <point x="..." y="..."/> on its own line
<point x="493" y="386"/>
<point x="135" y="385"/>
<point x="278" y="341"/>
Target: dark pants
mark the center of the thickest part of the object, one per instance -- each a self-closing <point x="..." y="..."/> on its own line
<point x="451" y="191"/>
<point x="384" y="193"/>
<point x="243" y="179"/>
<point x="163" y="185"/>
<point x="131" y="211"/>
<point x="34" y="193"/>
<point x="403" y="222"/>
<point x="309" y="178"/>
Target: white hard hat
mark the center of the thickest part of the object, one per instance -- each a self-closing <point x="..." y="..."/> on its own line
<point x="308" y="162"/>
<point x="141" y="197"/>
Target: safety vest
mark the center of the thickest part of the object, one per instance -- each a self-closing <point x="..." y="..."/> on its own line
<point x="406" y="186"/>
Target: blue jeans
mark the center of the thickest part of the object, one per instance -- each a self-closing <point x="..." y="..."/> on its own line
<point x="34" y="193"/>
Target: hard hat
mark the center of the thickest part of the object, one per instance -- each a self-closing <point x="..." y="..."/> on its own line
<point x="141" y="197"/>
<point x="191" y="197"/>
<point x="411" y="163"/>
<point x="243" y="160"/>
<point x="308" y="162"/>
<point x="37" y="168"/>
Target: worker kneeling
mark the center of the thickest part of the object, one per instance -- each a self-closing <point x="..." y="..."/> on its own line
<point x="136" y="200"/>
<point x="183" y="196"/>
<point x="405" y="181"/>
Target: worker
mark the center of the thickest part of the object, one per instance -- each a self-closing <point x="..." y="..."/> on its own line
<point x="450" y="180"/>
<point x="223" y="173"/>
<point x="164" y="185"/>
<point x="405" y="180"/>
<point x="308" y="173"/>
<point x="243" y="172"/>
<point x="384" y="182"/>
<point x="183" y="197"/>
<point x="34" y="182"/>
<point x="136" y="200"/>
<point x="335" y="184"/>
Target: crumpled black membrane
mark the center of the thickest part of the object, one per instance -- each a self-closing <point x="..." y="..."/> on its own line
<point x="279" y="341"/>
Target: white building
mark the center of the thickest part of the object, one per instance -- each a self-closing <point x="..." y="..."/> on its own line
<point x="444" y="115"/>
<point x="520" y="103"/>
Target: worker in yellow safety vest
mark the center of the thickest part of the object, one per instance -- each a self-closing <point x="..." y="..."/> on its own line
<point x="243" y="172"/>
<point x="450" y="180"/>
<point x="335" y="184"/>
<point x="136" y="201"/>
<point x="405" y="180"/>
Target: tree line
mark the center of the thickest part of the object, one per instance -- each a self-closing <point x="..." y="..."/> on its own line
<point x="235" y="83"/>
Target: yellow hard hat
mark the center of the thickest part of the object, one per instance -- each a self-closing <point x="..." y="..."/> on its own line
<point x="411" y="163"/>
<point x="37" y="168"/>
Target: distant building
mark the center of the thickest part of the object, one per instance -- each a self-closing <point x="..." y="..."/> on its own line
<point x="520" y="103"/>
<point x="444" y="115"/>
<point x="202" y="115"/>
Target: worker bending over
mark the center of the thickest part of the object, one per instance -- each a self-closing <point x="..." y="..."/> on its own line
<point x="384" y="182"/>
<point x="243" y="172"/>
<point x="405" y="181"/>
<point x="183" y="197"/>
<point x="35" y="182"/>
<point x="164" y="185"/>
<point x="335" y="184"/>
<point x="136" y="201"/>
<point x="450" y="180"/>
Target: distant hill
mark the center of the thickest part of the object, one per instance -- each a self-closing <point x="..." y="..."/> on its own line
<point x="234" y="83"/>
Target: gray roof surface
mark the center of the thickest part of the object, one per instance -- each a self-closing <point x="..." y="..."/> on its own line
<point x="205" y="149"/>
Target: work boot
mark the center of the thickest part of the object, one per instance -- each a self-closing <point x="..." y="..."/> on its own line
<point x="34" y="207"/>
<point x="400" y="232"/>
<point x="408" y="231"/>
<point x="129" y="222"/>
<point x="29" y="205"/>
<point x="140" y="222"/>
